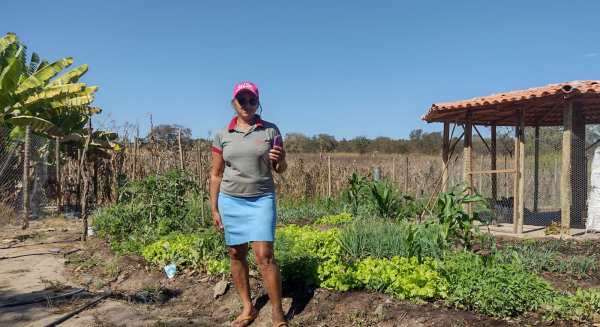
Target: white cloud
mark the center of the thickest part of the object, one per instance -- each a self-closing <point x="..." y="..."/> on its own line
<point x="589" y="55"/>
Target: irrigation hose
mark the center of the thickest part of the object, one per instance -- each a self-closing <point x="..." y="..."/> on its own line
<point x="89" y="304"/>
<point x="18" y="303"/>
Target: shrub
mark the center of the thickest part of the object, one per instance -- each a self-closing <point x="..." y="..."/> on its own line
<point x="582" y="305"/>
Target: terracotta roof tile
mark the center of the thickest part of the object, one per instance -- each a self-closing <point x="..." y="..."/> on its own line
<point x="522" y="97"/>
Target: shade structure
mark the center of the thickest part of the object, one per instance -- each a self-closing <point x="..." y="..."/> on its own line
<point x="542" y="106"/>
<point x="571" y="105"/>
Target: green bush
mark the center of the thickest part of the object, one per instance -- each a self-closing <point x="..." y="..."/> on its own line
<point x="149" y="209"/>
<point x="495" y="289"/>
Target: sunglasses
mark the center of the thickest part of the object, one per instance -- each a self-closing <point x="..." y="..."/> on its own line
<point x="251" y="101"/>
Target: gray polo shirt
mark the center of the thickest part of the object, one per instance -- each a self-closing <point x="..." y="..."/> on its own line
<point x="246" y="155"/>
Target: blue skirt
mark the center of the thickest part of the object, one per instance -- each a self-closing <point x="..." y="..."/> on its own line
<point x="248" y="219"/>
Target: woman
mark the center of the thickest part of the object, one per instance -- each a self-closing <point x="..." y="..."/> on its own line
<point x="242" y="194"/>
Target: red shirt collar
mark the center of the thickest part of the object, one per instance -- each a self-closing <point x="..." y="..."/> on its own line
<point x="259" y="122"/>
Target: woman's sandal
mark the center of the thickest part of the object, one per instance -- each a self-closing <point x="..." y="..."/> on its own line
<point x="282" y="323"/>
<point x="248" y="318"/>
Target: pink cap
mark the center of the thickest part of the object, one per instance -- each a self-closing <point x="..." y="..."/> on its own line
<point x="245" y="86"/>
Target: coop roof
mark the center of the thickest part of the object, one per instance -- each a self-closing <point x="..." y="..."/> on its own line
<point x="543" y="106"/>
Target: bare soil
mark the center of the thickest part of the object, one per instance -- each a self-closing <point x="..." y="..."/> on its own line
<point x="29" y="270"/>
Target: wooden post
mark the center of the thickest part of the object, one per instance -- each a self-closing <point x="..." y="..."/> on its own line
<point x="555" y="185"/>
<point x="521" y="172"/>
<point x="406" y="177"/>
<point x="468" y="156"/>
<point x="579" y="174"/>
<point x="134" y="168"/>
<point x="86" y="182"/>
<point x="445" y="153"/>
<point x="182" y="166"/>
<point x="58" y="190"/>
<point x="536" y="169"/>
<point x="517" y="166"/>
<point x="329" y="176"/>
<point x="493" y="164"/>
<point x="480" y="175"/>
<point x="151" y="144"/>
<point x="78" y="200"/>
<point x="505" y="178"/>
<point x="565" y="178"/>
<point x="394" y="171"/>
<point x="200" y="168"/>
<point x="26" y="194"/>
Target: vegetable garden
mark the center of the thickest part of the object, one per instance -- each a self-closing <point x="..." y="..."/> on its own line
<point x="372" y="238"/>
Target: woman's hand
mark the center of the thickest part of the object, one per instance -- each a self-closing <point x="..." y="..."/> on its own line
<point x="216" y="216"/>
<point x="277" y="154"/>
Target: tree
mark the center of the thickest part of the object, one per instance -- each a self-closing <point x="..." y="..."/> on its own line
<point x="297" y="143"/>
<point x="361" y="144"/>
<point x="325" y="142"/>
<point x="168" y="135"/>
<point x="31" y="95"/>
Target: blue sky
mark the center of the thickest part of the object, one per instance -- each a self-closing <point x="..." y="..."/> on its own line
<point x="345" y="68"/>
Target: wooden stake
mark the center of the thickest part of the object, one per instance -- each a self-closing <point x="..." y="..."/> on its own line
<point x="536" y="169"/>
<point x="468" y="157"/>
<point x="151" y="144"/>
<point x="200" y="168"/>
<point x="182" y="166"/>
<point x="86" y="181"/>
<point x="329" y="177"/>
<point x="493" y="164"/>
<point x="445" y="151"/>
<point x="78" y="201"/>
<point x="394" y="171"/>
<point x="26" y="195"/>
<point x="58" y="190"/>
<point x="406" y="177"/>
<point x="134" y="168"/>
<point x="516" y="181"/>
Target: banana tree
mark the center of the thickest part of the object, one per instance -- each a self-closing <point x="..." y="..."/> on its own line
<point x="31" y="94"/>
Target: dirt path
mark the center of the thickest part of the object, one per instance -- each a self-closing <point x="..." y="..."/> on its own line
<point x="29" y="270"/>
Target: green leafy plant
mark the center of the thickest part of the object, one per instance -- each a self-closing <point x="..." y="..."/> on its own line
<point x="354" y="192"/>
<point x="556" y="228"/>
<point x="495" y="289"/>
<point x="580" y="306"/>
<point x="336" y="220"/>
<point x="457" y="224"/>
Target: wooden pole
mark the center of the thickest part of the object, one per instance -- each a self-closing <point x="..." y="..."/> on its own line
<point x="151" y="144"/>
<point x="182" y="166"/>
<point x="481" y="175"/>
<point x="468" y="156"/>
<point x="58" y="189"/>
<point x="26" y="194"/>
<point x="406" y="177"/>
<point x="329" y="177"/>
<point x="579" y="174"/>
<point x="555" y="185"/>
<point x="78" y="200"/>
<point x="86" y="181"/>
<point x="521" y="171"/>
<point x="565" y="178"/>
<point x="516" y="181"/>
<point x="394" y="171"/>
<point x="493" y="164"/>
<point x="505" y="177"/>
<point x="200" y="168"/>
<point x="445" y="151"/>
<point x="536" y="169"/>
<point x="134" y="168"/>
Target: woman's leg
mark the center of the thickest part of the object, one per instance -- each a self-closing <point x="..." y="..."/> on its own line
<point x="239" y="271"/>
<point x="265" y="258"/>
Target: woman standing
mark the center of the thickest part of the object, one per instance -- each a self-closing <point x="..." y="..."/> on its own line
<point x="242" y="194"/>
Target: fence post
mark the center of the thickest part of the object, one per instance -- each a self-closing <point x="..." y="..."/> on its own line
<point x="180" y="150"/>
<point x="406" y="177"/>
<point x="86" y="182"/>
<point x="26" y="195"/>
<point x="78" y="201"/>
<point x="58" y="190"/>
<point x="135" y="142"/>
<point x="329" y="177"/>
<point x="394" y="171"/>
<point x="200" y="167"/>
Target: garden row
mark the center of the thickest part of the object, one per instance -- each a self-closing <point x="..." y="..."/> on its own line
<point x="377" y="244"/>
